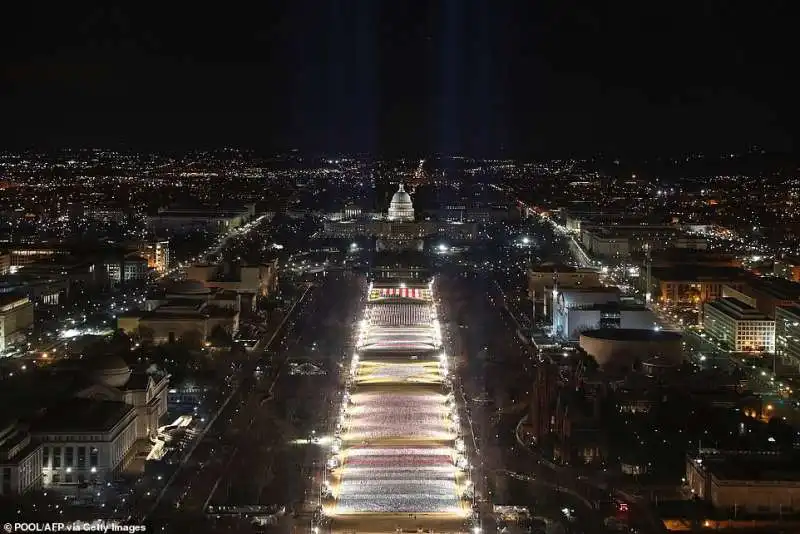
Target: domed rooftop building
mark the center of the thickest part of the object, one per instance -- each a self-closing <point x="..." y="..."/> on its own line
<point x="401" y="208"/>
<point x="110" y="379"/>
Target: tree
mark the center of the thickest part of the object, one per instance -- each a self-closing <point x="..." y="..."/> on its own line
<point x="120" y="341"/>
<point x="220" y="337"/>
<point x="144" y="334"/>
<point x="191" y="339"/>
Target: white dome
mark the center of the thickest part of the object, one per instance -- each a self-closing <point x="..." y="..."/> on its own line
<point x="401" y="208"/>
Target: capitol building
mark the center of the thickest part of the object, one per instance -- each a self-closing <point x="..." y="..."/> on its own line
<point x="398" y="229"/>
<point x="401" y="208"/>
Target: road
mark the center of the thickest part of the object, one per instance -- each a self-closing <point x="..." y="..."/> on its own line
<point x="217" y="246"/>
<point x="273" y="465"/>
<point x="250" y="456"/>
<point x="494" y="365"/>
<point x="200" y="462"/>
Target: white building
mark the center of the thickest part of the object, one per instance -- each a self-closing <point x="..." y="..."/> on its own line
<point x="85" y="441"/>
<point x="20" y="461"/>
<point x="146" y="392"/>
<point x="16" y="315"/>
<point x="93" y="436"/>
<point x="738" y="325"/>
<point x="130" y="269"/>
<point x="401" y="208"/>
<point x="573" y="310"/>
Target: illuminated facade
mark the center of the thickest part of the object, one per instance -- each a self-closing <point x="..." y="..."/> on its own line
<point x="156" y="254"/>
<point x="741" y="484"/>
<point x="739" y="326"/>
<point x="5" y="263"/>
<point x="93" y="435"/>
<point x="397" y="230"/>
<point x="16" y="315"/>
<point x="401" y="208"/>
<point x="21" y="460"/>
<point x="787" y="333"/>
<point x="190" y="312"/>
<point x="693" y="285"/>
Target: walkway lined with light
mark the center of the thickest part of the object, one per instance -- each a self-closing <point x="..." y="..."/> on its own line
<point x="398" y="449"/>
<point x="408" y="314"/>
<point x="398" y="373"/>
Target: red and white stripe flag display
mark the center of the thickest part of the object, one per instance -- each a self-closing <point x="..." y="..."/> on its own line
<point x="413" y="293"/>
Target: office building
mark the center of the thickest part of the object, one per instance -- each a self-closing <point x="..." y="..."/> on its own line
<point x="580" y="309"/>
<point x="623" y="241"/>
<point x="85" y="441"/>
<point x="692" y="285"/>
<point x="189" y="312"/>
<point x="95" y="434"/>
<point x="766" y="294"/>
<point x="542" y="279"/>
<point x="178" y="220"/>
<point x="787" y="334"/>
<point x="22" y="255"/>
<point x="5" y="263"/>
<point x="248" y="281"/>
<point x="131" y="269"/>
<point x="157" y="254"/>
<point x="739" y="326"/>
<point x="742" y="484"/>
<point x="20" y="460"/>
<point x="43" y="290"/>
<point x="788" y="267"/>
<point x="16" y="315"/>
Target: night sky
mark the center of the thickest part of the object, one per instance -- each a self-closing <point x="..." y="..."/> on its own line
<point x="403" y="77"/>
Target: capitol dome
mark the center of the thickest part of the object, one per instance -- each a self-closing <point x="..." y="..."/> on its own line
<point x="110" y="371"/>
<point x="401" y="208"/>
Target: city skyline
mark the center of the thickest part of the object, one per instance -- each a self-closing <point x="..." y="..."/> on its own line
<point x="338" y="266"/>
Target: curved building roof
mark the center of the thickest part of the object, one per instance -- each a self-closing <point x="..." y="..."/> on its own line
<point x="110" y="370"/>
<point x="631" y="334"/>
<point x="188" y="287"/>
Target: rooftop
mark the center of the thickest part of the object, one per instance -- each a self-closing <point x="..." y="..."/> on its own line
<point x="631" y="334"/>
<point x="778" y="288"/>
<point x="560" y="268"/>
<point x="699" y="273"/>
<point x="599" y="289"/>
<point x="82" y="415"/>
<point x="209" y="214"/>
<point x="763" y="469"/>
<point x="791" y="309"/>
<point x="737" y="309"/>
<point x="11" y="298"/>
